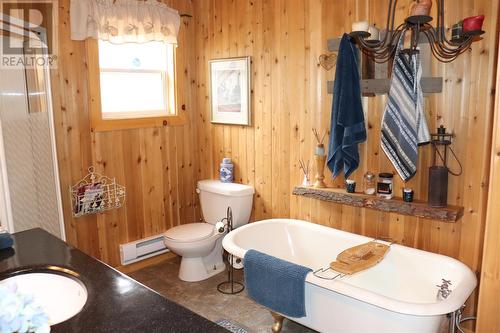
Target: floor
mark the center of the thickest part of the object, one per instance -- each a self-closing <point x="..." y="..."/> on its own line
<point x="204" y="299"/>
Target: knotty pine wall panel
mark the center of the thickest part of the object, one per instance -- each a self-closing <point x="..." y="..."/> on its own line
<point x="157" y="165"/>
<point x="289" y="98"/>
<point x="489" y="306"/>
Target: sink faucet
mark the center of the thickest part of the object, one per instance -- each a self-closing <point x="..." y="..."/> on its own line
<point x="444" y="289"/>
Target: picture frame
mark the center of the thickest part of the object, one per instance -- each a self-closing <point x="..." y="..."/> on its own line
<point x="230" y="91"/>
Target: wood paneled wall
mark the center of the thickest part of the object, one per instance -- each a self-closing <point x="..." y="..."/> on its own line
<point x="285" y="39"/>
<point x="489" y="293"/>
<point x="157" y="165"/>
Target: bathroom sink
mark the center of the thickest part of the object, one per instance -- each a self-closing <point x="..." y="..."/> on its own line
<point x="61" y="296"/>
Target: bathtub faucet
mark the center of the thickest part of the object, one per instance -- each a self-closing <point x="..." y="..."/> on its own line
<point x="444" y="289"/>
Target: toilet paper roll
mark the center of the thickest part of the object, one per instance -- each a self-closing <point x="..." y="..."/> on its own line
<point x="220" y="227"/>
<point x="237" y="262"/>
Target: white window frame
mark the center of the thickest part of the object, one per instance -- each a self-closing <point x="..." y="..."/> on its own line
<point x="99" y="121"/>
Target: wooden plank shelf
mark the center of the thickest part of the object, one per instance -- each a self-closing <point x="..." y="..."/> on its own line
<point x="395" y="205"/>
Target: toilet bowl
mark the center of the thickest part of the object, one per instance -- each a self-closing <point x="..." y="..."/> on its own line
<point x="200" y="244"/>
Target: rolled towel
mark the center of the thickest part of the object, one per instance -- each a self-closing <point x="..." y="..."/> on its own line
<point x="6" y="241"/>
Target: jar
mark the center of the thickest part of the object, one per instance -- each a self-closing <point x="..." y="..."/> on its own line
<point x="369" y="184"/>
<point x="384" y="185"/>
<point x="407" y="195"/>
<point x="350" y="186"/>
<point x="226" y="170"/>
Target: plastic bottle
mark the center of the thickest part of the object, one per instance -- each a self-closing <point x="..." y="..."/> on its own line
<point x="226" y="171"/>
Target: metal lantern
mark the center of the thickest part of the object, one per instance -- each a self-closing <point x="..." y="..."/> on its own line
<point x="438" y="172"/>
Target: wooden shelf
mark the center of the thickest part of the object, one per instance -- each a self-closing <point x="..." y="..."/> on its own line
<point x="395" y="205"/>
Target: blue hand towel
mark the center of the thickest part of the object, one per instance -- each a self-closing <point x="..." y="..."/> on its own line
<point x="275" y="283"/>
<point x="6" y="241"/>
<point x="404" y="125"/>
<point x="347" y="128"/>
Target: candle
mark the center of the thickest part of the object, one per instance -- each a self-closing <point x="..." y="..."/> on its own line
<point x="421" y="8"/>
<point x="360" y="26"/>
<point x="473" y="23"/>
<point x="374" y="32"/>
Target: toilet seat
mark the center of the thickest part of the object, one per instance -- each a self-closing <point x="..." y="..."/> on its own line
<point x="190" y="232"/>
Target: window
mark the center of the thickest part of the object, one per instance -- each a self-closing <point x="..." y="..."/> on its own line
<point x="136" y="85"/>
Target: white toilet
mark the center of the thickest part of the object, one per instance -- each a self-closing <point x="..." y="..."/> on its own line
<point x="200" y="244"/>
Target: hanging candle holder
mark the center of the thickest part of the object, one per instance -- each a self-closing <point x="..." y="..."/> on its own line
<point x="419" y="26"/>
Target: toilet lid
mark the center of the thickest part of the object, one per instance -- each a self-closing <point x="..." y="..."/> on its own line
<point x="190" y="232"/>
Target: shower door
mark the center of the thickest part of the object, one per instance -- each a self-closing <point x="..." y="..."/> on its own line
<point x="29" y="180"/>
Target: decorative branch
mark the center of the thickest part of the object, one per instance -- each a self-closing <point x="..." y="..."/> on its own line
<point x="304" y="167"/>
<point x="319" y="138"/>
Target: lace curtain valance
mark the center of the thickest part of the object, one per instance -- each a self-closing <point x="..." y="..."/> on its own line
<point x="124" y="21"/>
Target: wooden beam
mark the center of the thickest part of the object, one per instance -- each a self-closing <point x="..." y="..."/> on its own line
<point x="381" y="86"/>
<point x="334" y="43"/>
<point x="395" y="205"/>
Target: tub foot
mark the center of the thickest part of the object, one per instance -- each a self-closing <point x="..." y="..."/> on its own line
<point x="278" y="322"/>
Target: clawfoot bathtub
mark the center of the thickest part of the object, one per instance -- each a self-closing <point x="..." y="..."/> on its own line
<point x="409" y="291"/>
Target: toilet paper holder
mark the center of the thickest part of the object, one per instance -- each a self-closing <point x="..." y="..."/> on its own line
<point x="230" y="286"/>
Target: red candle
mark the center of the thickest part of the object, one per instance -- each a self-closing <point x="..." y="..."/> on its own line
<point x="473" y="23"/>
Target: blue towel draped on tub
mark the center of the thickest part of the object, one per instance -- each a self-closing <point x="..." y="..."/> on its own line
<point x="275" y="283"/>
<point x="347" y="128"/>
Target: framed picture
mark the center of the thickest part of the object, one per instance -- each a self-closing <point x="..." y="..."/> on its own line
<point x="230" y="90"/>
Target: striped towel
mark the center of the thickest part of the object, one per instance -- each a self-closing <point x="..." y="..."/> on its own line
<point x="404" y="126"/>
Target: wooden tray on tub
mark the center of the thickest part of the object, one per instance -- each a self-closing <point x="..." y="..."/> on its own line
<point x="360" y="257"/>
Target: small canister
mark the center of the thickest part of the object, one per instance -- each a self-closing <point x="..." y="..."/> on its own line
<point x="408" y="194"/>
<point x="226" y="171"/>
<point x="350" y="186"/>
<point x="384" y="185"/>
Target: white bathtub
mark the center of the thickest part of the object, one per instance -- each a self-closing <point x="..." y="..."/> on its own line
<point x="397" y="295"/>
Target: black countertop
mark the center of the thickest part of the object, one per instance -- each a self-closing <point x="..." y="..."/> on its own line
<point x="116" y="303"/>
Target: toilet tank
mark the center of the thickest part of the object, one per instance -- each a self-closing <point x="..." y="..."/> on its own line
<point x="216" y="196"/>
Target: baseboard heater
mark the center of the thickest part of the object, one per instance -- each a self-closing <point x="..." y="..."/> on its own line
<point x="142" y="249"/>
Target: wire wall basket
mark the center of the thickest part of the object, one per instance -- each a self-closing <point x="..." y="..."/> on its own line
<point x="96" y="193"/>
